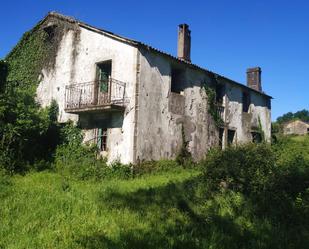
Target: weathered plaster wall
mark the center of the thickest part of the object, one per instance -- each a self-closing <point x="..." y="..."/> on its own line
<point x="75" y="63"/>
<point x="159" y="127"/>
<point x="162" y="113"/>
<point x="296" y="127"/>
<point x="246" y="122"/>
<point x="153" y="129"/>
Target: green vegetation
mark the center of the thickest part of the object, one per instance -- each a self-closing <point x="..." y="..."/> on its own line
<point x="254" y="196"/>
<point x="277" y="127"/>
<point x="57" y="193"/>
<point x="302" y="115"/>
<point x="212" y="104"/>
<point x="27" y="132"/>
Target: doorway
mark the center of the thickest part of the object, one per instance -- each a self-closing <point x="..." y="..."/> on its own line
<point x="103" y="82"/>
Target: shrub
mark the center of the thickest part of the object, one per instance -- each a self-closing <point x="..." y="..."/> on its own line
<point x="274" y="178"/>
<point x="184" y="156"/>
<point x="248" y="169"/>
<point x="81" y="161"/>
<point x="77" y="160"/>
<point x="117" y="170"/>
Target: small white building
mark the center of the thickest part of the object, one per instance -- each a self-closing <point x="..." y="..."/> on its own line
<point x="296" y="127"/>
<point x="134" y="100"/>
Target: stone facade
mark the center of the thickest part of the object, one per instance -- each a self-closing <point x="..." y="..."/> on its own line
<point x="150" y="98"/>
<point x="296" y="127"/>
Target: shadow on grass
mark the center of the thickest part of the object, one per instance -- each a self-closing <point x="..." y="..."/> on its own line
<point x="171" y="220"/>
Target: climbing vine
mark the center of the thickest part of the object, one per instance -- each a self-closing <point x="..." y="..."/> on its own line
<point x="27" y="132"/>
<point x="37" y="50"/>
<point x="212" y="104"/>
<point x="26" y="60"/>
<point x="184" y="155"/>
<point x="3" y="73"/>
<point x="260" y="130"/>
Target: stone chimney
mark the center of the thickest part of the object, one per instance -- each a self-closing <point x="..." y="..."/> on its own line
<point x="254" y="78"/>
<point x="184" y="42"/>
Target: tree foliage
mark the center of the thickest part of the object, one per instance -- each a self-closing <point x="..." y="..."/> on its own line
<point x="28" y="133"/>
<point x="302" y="115"/>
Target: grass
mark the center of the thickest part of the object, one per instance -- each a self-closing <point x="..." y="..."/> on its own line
<point x="165" y="210"/>
<point x="169" y="209"/>
<point x="43" y="210"/>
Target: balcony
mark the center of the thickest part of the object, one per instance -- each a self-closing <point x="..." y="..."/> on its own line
<point x="220" y="111"/>
<point x="95" y="96"/>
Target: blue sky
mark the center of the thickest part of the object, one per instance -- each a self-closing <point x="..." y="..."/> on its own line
<point x="227" y="36"/>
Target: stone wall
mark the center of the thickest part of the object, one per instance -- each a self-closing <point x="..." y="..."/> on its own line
<point x="296" y="127"/>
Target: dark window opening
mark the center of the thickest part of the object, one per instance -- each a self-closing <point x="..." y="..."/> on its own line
<point x="269" y="103"/>
<point x="102" y="139"/>
<point x="245" y="101"/>
<point x="230" y="137"/>
<point x="256" y="137"/>
<point x="50" y="32"/>
<point x="221" y="133"/>
<point x="177" y="76"/>
<point x="104" y="71"/>
<point x="220" y="92"/>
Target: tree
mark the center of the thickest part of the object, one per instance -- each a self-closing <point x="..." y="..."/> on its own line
<point x="302" y="115"/>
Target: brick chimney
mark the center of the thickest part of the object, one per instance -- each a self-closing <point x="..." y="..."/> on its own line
<point x="254" y="78"/>
<point x="184" y="42"/>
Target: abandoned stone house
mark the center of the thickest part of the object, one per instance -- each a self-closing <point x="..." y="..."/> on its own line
<point x="139" y="103"/>
<point x="296" y="127"/>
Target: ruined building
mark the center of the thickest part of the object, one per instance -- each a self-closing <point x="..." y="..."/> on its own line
<point x="139" y="103"/>
<point x="296" y="127"/>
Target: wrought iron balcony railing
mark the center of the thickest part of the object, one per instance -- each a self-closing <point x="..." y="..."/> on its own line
<point x="94" y="95"/>
<point x="220" y="111"/>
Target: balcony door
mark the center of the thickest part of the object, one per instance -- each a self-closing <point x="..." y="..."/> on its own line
<point x="104" y="71"/>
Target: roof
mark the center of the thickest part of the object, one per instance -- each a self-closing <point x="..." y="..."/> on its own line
<point x="295" y="120"/>
<point x="141" y="44"/>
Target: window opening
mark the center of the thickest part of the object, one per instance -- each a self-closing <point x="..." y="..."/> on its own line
<point x="230" y="137"/>
<point x="177" y="80"/>
<point x="245" y="101"/>
<point x="102" y="139"/>
<point x="256" y="137"/>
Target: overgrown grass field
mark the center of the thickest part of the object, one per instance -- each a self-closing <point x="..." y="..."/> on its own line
<point x="173" y="208"/>
<point x="45" y="210"/>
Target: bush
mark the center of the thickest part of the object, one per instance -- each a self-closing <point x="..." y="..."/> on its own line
<point x="275" y="179"/>
<point x="78" y="161"/>
<point x="248" y="169"/>
<point x="81" y="161"/>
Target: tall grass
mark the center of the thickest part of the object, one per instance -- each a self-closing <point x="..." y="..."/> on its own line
<point x="157" y="209"/>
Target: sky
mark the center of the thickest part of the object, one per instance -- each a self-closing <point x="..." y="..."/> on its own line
<point x="227" y="36"/>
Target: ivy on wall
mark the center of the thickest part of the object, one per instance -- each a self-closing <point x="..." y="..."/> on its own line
<point x="3" y="74"/>
<point x="26" y="60"/>
<point x="27" y="132"/>
<point x="260" y="129"/>
<point x="37" y="50"/>
<point x="212" y="104"/>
